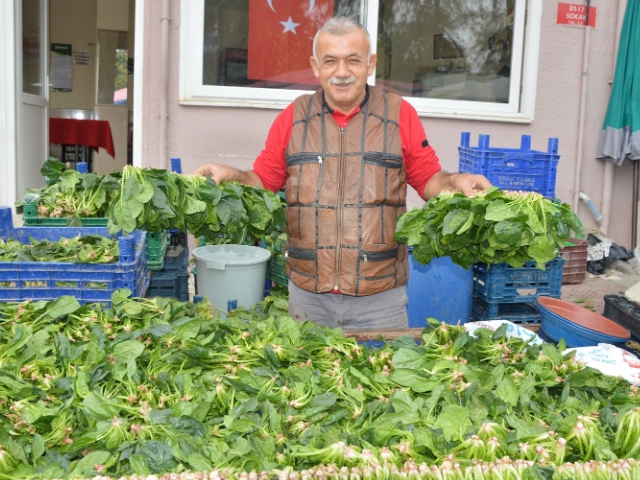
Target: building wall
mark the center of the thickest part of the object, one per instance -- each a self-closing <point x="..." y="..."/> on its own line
<point x="77" y="22"/>
<point x="74" y="22"/>
<point x="113" y="15"/>
<point x="235" y="136"/>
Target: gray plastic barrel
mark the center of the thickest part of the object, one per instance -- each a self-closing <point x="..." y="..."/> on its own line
<point x="231" y="276"/>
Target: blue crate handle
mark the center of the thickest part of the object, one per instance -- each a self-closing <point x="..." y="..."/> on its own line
<point x="525" y="142"/>
<point x="483" y="142"/>
<point x="6" y="220"/>
<point x="82" y="167"/>
<point x="176" y="167"/>
<point x="127" y="247"/>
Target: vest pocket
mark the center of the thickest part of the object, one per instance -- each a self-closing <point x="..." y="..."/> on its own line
<point x="302" y="261"/>
<point x="384" y="178"/>
<point x="383" y="160"/>
<point x="374" y="265"/>
<point x="301" y="253"/>
<point x="304" y="158"/>
<point x="367" y="256"/>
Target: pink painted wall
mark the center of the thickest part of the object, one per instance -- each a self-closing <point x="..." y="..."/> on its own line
<point x="235" y="136"/>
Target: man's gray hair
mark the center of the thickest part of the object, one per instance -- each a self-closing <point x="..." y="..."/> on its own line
<point x="339" y="26"/>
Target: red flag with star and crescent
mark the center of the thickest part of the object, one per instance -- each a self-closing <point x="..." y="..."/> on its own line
<point x="281" y="38"/>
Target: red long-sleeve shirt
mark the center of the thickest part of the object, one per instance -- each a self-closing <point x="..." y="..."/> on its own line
<point x="420" y="159"/>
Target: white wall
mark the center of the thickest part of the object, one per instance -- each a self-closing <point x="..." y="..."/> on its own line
<point x="74" y="22"/>
<point x="7" y="105"/>
<point x="113" y="15"/>
<point x="117" y="116"/>
<point x="131" y="49"/>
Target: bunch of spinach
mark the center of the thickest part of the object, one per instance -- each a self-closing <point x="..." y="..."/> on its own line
<point x="81" y="249"/>
<point x="155" y="200"/>
<point x="492" y="227"/>
<point x="74" y="195"/>
<point x="151" y="386"/>
<point x="227" y="213"/>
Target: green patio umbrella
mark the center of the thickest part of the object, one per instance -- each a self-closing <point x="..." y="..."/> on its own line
<point x="620" y="136"/>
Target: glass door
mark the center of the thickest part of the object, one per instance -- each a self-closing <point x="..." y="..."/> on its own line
<point x="33" y="104"/>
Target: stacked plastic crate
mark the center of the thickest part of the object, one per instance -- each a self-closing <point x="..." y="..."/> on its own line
<point x="276" y="268"/>
<point x="277" y="263"/>
<point x="173" y="279"/>
<point x="89" y="283"/>
<point x="501" y="291"/>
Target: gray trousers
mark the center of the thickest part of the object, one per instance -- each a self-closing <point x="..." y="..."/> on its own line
<point x="385" y="310"/>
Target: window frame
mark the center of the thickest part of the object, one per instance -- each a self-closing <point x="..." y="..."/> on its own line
<point x="522" y="93"/>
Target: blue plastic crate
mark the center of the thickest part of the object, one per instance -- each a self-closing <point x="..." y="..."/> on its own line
<point x="502" y="283"/>
<point x="89" y="283"/>
<point x="520" y="313"/>
<point x="512" y="169"/>
<point x="170" y="285"/>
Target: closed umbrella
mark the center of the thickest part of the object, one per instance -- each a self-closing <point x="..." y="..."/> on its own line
<point x="620" y="136"/>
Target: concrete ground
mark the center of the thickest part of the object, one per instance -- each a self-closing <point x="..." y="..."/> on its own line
<point x="590" y="293"/>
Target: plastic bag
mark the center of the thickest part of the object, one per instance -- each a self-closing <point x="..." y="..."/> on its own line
<point x="610" y="360"/>
<point x="602" y="253"/>
<point x="513" y="330"/>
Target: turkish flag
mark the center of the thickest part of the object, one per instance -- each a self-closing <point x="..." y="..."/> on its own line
<point x="281" y="37"/>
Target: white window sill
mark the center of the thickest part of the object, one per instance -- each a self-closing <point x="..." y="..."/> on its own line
<point x="485" y="116"/>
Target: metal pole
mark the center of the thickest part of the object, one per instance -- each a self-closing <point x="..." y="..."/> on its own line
<point x="582" y="112"/>
<point x="164" y="103"/>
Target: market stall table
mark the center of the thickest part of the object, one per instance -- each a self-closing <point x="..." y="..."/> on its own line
<point x="81" y="133"/>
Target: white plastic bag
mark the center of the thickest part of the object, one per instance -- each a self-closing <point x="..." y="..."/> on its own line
<point x="513" y="330"/>
<point x="610" y="360"/>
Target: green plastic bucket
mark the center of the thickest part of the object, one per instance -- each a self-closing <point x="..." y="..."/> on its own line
<point x="231" y="276"/>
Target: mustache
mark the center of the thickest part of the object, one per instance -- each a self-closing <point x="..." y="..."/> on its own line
<point x="342" y="81"/>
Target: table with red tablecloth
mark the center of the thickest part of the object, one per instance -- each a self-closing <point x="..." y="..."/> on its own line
<point x="90" y="133"/>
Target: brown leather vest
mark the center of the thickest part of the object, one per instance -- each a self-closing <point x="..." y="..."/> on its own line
<point x="345" y="190"/>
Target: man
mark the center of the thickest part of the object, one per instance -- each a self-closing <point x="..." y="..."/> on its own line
<point x="344" y="155"/>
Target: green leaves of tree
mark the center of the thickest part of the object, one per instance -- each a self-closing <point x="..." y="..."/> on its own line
<point x="492" y="227"/>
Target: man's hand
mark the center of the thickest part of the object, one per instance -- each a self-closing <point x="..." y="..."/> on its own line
<point x="217" y="172"/>
<point x="467" y="183"/>
<point x="221" y="173"/>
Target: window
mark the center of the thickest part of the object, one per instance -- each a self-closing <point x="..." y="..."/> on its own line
<point x="449" y="58"/>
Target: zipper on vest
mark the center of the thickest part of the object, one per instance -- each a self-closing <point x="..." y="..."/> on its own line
<point x="340" y="188"/>
<point x="379" y="256"/>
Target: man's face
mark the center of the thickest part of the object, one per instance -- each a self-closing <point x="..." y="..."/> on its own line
<point x="343" y="68"/>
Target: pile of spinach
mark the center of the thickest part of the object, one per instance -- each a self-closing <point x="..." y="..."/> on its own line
<point x="153" y="200"/>
<point x="81" y="249"/>
<point x="74" y="195"/>
<point x="151" y="386"/>
<point x="492" y="227"/>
